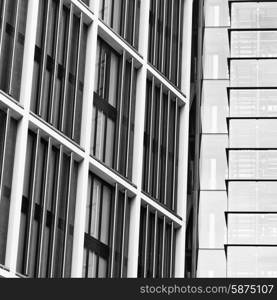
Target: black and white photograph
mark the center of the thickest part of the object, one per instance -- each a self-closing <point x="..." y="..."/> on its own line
<point x="138" y="147"/>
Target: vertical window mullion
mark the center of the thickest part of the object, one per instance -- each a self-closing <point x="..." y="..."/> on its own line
<point x="56" y="63"/>
<point x="171" y="39"/>
<point x="32" y="205"/>
<point x="14" y="45"/>
<point x="174" y="196"/>
<point x="100" y="211"/>
<point x="105" y="86"/>
<point x="66" y="222"/>
<point x="163" y="37"/>
<point x="134" y="24"/>
<point x="155" y="48"/>
<point x="3" y="26"/>
<point x="171" y="250"/>
<point x="178" y="77"/>
<point x="99" y="67"/>
<point x="155" y="245"/>
<point x="163" y="247"/>
<point x="151" y="135"/>
<point x="70" y="29"/>
<point x="132" y="85"/>
<point x="90" y="204"/>
<point x="159" y="143"/>
<point x="56" y="217"/>
<point x="125" y="19"/>
<point x="123" y="232"/>
<point x="4" y="150"/>
<point x="44" y="59"/>
<point x="146" y="242"/>
<point x="114" y="230"/>
<point x="77" y="76"/>
<point x="167" y="147"/>
<point x="44" y="209"/>
<point x="120" y="109"/>
<point x="112" y="12"/>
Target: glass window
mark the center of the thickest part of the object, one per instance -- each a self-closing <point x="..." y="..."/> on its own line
<point x="13" y="20"/>
<point x="114" y="110"/>
<point x="214" y="107"/>
<point x="217" y="13"/>
<point x="48" y="210"/>
<point x="253" y="103"/>
<point x="215" y="53"/>
<point x="213" y="162"/>
<point x="123" y="17"/>
<point x="161" y="138"/>
<point x="212" y="223"/>
<point x="165" y="37"/>
<point x="254" y="15"/>
<point x="252" y="229"/>
<point x="250" y="262"/>
<point x="252" y="196"/>
<point x="253" y="133"/>
<point x="58" y="78"/>
<point x="253" y="164"/>
<point x="254" y="73"/>
<point x="8" y="129"/>
<point x="254" y="43"/>
<point x="101" y="211"/>
<point x="156" y="245"/>
<point x="211" y="264"/>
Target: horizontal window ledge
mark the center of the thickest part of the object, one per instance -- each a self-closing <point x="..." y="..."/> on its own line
<point x="229" y="88"/>
<point x="236" y="1"/>
<point x="251" y="118"/>
<point x="172" y="212"/>
<point x="250" y="212"/>
<point x="117" y="174"/>
<point x="227" y="213"/>
<point x="250" y="149"/>
<point x="232" y="29"/>
<point x="226" y="246"/>
<point x="250" y="180"/>
<point x="232" y="58"/>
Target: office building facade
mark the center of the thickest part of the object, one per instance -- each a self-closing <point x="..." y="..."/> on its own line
<point x="94" y="105"/>
<point x="138" y="138"/>
<point x="236" y="140"/>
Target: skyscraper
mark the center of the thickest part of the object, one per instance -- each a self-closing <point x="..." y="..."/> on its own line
<point x="138" y="138"/>
<point x="94" y="137"/>
<point x="236" y="220"/>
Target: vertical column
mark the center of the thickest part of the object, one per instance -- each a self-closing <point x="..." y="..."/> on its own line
<point x="138" y="142"/>
<point x="183" y="142"/>
<point x="82" y="183"/>
<point x="22" y="135"/>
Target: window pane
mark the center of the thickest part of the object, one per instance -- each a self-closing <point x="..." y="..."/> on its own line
<point x="212" y="223"/>
<point x="216" y="52"/>
<point x="211" y="264"/>
<point x="252" y="229"/>
<point x="253" y="133"/>
<point x="251" y="73"/>
<point x="254" y="43"/>
<point x="254" y="15"/>
<point x="252" y="196"/>
<point x="253" y="164"/>
<point x="213" y="162"/>
<point x="214" y="106"/>
<point x="253" y="103"/>
<point x="252" y="262"/>
<point x="217" y="13"/>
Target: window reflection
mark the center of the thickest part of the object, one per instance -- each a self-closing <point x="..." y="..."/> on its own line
<point x="252" y="262"/>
